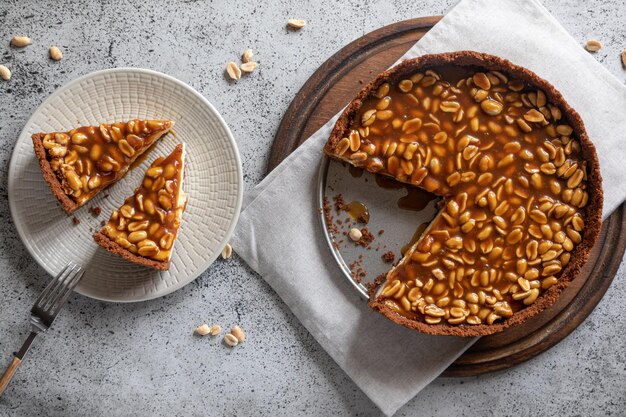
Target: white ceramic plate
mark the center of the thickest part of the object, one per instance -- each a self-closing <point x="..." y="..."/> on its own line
<point x="213" y="182"/>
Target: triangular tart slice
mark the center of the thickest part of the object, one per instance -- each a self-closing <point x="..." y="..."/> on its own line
<point x="82" y="162"/>
<point x="145" y="227"/>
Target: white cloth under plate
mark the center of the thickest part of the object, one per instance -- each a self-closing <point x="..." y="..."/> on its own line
<point x="280" y="237"/>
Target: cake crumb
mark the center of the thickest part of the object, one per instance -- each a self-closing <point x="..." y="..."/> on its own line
<point x="95" y="210"/>
<point x="75" y="220"/>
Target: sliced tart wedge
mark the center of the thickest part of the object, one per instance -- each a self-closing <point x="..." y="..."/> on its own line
<point x="80" y="163"/>
<point x="144" y="228"/>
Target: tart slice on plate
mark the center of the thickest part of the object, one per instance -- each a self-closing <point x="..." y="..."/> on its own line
<point x="80" y="163"/>
<point x="145" y="227"/>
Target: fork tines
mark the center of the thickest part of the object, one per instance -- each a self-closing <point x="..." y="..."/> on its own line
<point x="57" y="291"/>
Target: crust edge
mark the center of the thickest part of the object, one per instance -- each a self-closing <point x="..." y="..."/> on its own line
<point x="109" y="245"/>
<point x="68" y="205"/>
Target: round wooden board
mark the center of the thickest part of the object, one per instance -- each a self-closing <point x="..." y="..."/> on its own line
<point x="335" y="83"/>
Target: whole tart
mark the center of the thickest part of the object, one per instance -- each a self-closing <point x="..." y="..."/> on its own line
<point x="143" y="230"/>
<point x="80" y="163"/>
<point x="519" y="180"/>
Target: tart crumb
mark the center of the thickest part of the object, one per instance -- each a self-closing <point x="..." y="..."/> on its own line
<point x="340" y="203"/>
<point x="389" y="257"/>
<point x="366" y="238"/>
<point x="356" y="269"/>
<point x="332" y="227"/>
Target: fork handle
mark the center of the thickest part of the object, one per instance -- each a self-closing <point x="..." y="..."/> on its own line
<point x="8" y="374"/>
<point x="15" y="363"/>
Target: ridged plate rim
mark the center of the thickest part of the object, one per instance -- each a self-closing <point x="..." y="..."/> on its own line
<point x="211" y="255"/>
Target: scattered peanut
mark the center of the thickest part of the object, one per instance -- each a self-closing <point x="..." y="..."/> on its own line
<point x="593" y="45"/>
<point x="231" y="340"/>
<point x="203" y="330"/>
<point x="227" y="251"/>
<point x="238" y="333"/>
<point x="247" y="55"/>
<point x="5" y="73"/>
<point x="623" y="55"/>
<point x="355" y="234"/>
<point x="20" y="41"/>
<point x="233" y="70"/>
<point x="216" y="329"/>
<point x="55" y="53"/>
<point x="296" y="23"/>
<point x="248" y="66"/>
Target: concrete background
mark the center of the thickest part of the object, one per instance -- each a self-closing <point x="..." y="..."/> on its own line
<point x="141" y="359"/>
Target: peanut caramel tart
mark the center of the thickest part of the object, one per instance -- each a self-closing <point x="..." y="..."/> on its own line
<point x="80" y="163"/>
<point x="143" y="230"/>
<point x="519" y="180"/>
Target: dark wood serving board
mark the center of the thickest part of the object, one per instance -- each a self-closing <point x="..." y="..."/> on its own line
<point x="335" y="83"/>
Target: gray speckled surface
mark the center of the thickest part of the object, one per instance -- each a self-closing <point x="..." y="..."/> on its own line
<point x="141" y="359"/>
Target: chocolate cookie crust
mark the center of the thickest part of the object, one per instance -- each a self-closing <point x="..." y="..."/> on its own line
<point x="102" y="240"/>
<point x="591" y="212"/>
<point x="68" y="205"/>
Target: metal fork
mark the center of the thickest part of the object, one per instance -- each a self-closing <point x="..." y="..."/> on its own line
<point x="44" y="312"/>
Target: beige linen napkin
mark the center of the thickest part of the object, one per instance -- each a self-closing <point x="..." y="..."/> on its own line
<point x="280" y="237"/>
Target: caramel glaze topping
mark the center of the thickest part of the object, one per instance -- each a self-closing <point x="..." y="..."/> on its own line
<point x="88" y="159"/>
<point x="148" y="222"/>
<point x="514" y="182"/>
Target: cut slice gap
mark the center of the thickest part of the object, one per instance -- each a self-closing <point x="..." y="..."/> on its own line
<point x="143" y="230"/>
<point x="79" y="163"/>
<point x="395" y="209"/>
<point x="377" y="290"/>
